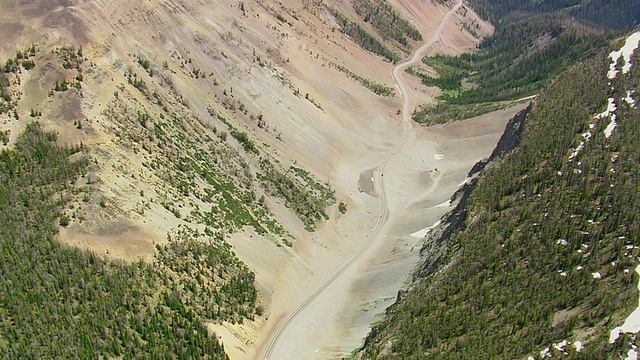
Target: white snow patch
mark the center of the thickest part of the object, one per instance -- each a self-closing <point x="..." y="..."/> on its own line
<point x="579" y="267"/>
<point x="438" y="156"/>
<point x="577" y="150"/>
<point x="596" y="275"/>
<point x="531" y="358"/>
<point x="632" y="355"/>
<point x="612" y="125"/>
<point x="627" y="49"/>
<point x="562" y="273"/>
<point x="631" y="324"/>
<point x="422" y="233"/>
<point x="577" y="345"/>
<point x="560" y="346"/>
<point x="629" y="99"/>
<point x="562" y="242"/>
<point x="546" y="352"/>
<point x="444" y="204"/>
<point x="586" y="136"/>
<point x="611" y="108"/>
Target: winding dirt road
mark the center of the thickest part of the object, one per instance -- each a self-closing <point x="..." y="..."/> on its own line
<point x="377" y="231"/>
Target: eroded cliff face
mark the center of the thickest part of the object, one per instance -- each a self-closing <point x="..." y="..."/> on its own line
<point x="434" y="253"/>
<point x="436" y="240"/>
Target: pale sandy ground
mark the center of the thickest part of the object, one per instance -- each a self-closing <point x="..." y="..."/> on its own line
<point x="422" y="176"/>
<point x="338" y="320"/>
<point x="355" y="132"/>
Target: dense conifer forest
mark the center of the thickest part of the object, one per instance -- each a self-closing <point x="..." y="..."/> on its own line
<point x="516" y="61"/>
<point x="531" y="45"/>
<point x="61" y="302"/>
<point x="611" y="14"/>
<point x="548" y="250"/>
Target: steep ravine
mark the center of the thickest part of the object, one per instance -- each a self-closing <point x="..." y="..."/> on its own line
<point x="433" y="250"/>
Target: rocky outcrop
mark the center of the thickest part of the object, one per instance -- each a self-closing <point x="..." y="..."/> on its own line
<point x="434" y="250"/>
<point x="508" y="141"/>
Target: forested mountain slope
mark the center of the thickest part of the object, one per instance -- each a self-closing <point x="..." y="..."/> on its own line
<point x="544" y="263"/>
<point x="62" y="302"/>
<point x="532" y="44"/>
<point x="615" y="14"/>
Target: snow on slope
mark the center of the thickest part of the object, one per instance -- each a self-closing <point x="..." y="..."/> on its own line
<point x="627" y="49"/>
<point x="631" y="324"/>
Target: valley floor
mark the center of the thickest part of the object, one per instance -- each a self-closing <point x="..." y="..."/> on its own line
<point x="419" y="182"/>
<point x="334" y="307"/>
<point x="352" y="131"/>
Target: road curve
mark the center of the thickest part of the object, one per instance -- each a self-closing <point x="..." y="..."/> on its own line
<point x="406" y="117"/>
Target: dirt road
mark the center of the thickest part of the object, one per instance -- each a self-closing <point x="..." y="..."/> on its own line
<point x="271" y="350"/>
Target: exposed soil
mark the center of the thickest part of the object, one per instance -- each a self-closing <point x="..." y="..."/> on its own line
<point x="350" y="131"/>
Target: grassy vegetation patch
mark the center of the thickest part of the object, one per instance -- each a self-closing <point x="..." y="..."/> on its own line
<point x="449" y="75"/>
<point x="389" y="23"/>
<point x="443" y="112"/>
<point x="306" y="197"/>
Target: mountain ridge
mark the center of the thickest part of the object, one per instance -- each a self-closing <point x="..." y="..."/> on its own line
<point x="542" y="265"/>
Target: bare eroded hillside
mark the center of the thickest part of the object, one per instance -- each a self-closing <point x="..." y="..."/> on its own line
<point x="194" y="112"/>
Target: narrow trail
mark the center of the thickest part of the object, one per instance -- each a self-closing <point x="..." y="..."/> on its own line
<point x="375" y="234"/>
